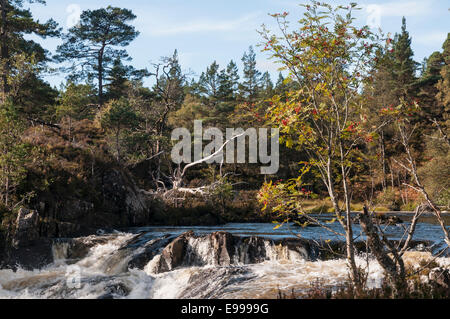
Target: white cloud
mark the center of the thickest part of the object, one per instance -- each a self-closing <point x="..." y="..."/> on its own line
<point x="268" y="65"/>
<point x="404" y="8"/>
<point x="159" y="28"/>
<point x="436" y="38"/>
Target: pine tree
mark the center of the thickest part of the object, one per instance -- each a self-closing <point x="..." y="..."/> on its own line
<point x="443" y="86"/>
<point x="229" y="82"/>
<point x="76" y="103"/>
<point x="267" y="85"/>
<point x="118" y="77"/>
<point x="15" y="23"/>
<point x="94" y="44"/>
<point x="117" y="118"/>
<point x="14" y="153"/>
<point x="210" y="82"/>
<point x="169" y="88"/>
<point x="404" y="67"/>
<point x="427" y="86"/>
<point x="251" y="84"/>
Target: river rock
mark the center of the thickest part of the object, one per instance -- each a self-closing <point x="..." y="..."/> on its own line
<point x="173" y="254"/>
<point x="122" y="197"/>
<point x="115" y="290"/>
<point x="224" y="249"/>
<point x="208" y="283"/>
<point x="150" y="249"/>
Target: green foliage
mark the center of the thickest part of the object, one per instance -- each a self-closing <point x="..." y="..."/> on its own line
<point x="192" y="109"/>
<point x="93" y="45"/>
<point x="404" y="67"/>
<point x="436" y="170"/>
<point x="119" y="77"/>
<point x="118" y="117"/>
<point x="14" y="153"/>
<point x="222" y="193"/>
<point x="17" y="22"/>
<point x="77" y="102"/>
<point x="323" y="114"/>
<point x="251" y="84"/>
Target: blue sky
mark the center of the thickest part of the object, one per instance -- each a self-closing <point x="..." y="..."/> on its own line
<point x="221" y="30"/>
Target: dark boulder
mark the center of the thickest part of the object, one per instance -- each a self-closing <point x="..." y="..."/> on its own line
<point x="224" y="249"/>
<point x="26" y="228"/>
<point x="150" y="250"/>
<point x="116" y="290"/>
<point x="173" y="254"/>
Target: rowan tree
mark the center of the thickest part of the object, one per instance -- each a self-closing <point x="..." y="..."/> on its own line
<point x="329" y="58"/>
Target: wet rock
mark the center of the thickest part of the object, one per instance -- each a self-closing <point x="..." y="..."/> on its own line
<point x="440" y="277"/>
<point x="173" y="254"/>
<point x="116" y="290"/>
<point x="151" y="249"/>
<point x="208" y="283"/>
<point x="35" y="255"/>
<point x="222" y="245"/>
<point x="77" y="248"/>
<point x="224" y="249"/>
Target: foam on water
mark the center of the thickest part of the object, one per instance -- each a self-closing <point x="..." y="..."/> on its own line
<point x="105" y="266"/>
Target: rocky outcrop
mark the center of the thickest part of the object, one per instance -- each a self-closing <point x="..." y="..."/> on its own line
<point x="113" y="201"/>
<point x="225" y="249"/>
<point x="26" y="228"/>
<point x="173" y="254"/>
<point x="41" y="252"/>
<point x="150" y="249"/>
<point x="121" y="197"/>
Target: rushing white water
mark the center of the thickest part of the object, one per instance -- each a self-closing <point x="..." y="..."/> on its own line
<point x="104" y="273"/>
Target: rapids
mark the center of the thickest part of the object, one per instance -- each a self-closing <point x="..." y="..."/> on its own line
<point x="249" y="261"/>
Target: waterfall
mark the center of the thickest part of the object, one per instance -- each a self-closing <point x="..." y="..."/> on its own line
<point x="215" y="265"/>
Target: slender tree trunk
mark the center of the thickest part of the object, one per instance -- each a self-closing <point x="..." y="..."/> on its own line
<point x="350" y="247"/>
<point x="354" y="271"/>
<point x="100" y="77"/>
<point x="421" y="188"/>
<point x="4" y="50"/>
<point x="392" y="176"/>
<point x="7" y="190"/>
<point x="70" y="129"/>
<point x="383" y="160"/>
<point x="118" y="144"/>
<point x="392" y="263"/>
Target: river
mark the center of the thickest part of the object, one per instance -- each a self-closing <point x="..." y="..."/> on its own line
<point x="261" y="263"/>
